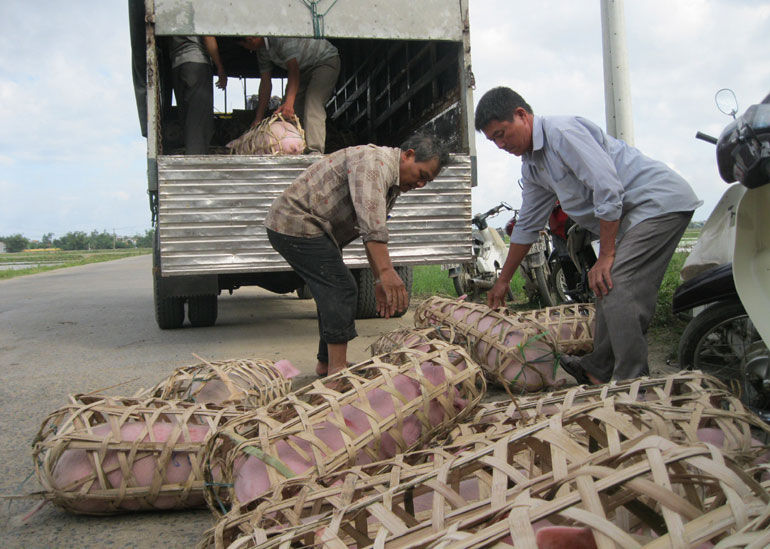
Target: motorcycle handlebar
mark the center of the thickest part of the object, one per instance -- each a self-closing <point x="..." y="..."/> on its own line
<point x="493" y="211"/>
<point x="706" y="137"/>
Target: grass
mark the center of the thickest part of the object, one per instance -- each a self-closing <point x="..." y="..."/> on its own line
<point x="59" y="259"/>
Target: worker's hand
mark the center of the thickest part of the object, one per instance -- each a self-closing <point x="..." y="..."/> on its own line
<point x="390" y="294"/>
<point x="222" y="80"/>
<point x="599" y="279"/>
<point x="286" y="110"/>
<point x="496" y="296"/>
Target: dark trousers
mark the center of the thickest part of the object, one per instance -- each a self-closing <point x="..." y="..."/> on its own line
<point x="194" y="92"/>
<point x="319" y="262"/>
<point x="624" y="314"/>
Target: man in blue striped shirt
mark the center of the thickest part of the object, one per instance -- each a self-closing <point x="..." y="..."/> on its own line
<point x="638" y="207"/>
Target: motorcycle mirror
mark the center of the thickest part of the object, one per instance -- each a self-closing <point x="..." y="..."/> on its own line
<point x="726" y="101"/>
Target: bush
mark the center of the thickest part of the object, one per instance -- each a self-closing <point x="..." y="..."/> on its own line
<point x="15" y="243"/>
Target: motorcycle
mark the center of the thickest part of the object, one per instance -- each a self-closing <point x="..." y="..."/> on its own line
<point x="489" y="253"/>
<point x="574" y="253"/>
<point x="556" y="267"/>
<point x="730" y="302"/>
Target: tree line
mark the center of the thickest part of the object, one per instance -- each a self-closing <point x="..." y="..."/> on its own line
<point x="79" y="240"/>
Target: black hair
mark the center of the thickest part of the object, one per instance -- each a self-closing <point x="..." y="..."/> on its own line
<point x="498" y="104"/>
<point x="426" y="147"/>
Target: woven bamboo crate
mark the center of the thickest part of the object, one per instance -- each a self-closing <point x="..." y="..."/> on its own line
<point x="572" y="325"/>
<point x="373" y="410"/>
<point x="694" y="392"/>
<point x="382" y="499"/>
<point x="104" y="455"/>
<point x="516" y="353"/>
<point x="243" y="382"/>
<point x="656" y="495"/>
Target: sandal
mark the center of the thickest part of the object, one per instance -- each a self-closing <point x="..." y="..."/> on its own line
<point x="575" y="371"/>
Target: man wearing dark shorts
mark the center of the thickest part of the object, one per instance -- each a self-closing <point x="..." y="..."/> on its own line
<point x="345" y="195"/>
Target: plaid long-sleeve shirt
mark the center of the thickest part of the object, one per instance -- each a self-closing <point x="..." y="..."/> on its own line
<point x="345" y="195"/>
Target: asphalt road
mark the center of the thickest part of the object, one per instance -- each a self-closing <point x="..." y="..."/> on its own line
<point x="83" y="329"/>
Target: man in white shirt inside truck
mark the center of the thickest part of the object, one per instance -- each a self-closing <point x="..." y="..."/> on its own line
<point x="638" y="207"/>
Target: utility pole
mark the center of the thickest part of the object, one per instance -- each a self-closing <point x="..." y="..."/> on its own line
<point x="617" y="89"/>
<point x="114" y="239"/>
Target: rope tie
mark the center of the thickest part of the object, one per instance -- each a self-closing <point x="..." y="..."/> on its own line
<point x="318" y="18"/>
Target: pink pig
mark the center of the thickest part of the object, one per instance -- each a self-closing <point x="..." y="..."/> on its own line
<point x="250" y="474"/>
<point x="75" y="469"/>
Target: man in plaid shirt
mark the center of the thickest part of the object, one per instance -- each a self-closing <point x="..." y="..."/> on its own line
<point x="345" y="195"/>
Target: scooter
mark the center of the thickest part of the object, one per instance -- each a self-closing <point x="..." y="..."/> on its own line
<point x="489" y="253"/>
<point x="731" y="301"/>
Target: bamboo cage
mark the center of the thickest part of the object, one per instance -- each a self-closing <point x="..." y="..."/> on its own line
<point x="517" y="354"/>
<point x="104" y="455"/>
<point x="388" y="404"/>
<point x="692" y="390"/>
<point x="244" y="382"/>
<point x="656" y="495"/>
<point x="378" y="501"/>
<point x="572" y="325"/>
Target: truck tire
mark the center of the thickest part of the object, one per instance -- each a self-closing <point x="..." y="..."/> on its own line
<point x="366" y="306"/>
<point x="407" y="275"/>
<point x="202" y="310"/>
<point x="169" y="311"/>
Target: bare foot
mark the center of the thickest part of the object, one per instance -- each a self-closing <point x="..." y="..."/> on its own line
<point x="322" y="368"/>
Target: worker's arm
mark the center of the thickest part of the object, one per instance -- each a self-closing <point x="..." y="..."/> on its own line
<point x="292" y="87"/>
<point x="389" y="289"/>
<point x="265" y="89"/>
<point x="599" y="279"/>
<point x="213" y="48"/>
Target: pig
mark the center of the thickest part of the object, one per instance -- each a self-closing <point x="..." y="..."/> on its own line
<point x="110" y="455"/>
<point x="273" y="136"/>
<point x="397" y="409"/>
<point x="243" y="382"/>
<point x="516" y="354"/>
<point x="572" y="325"/>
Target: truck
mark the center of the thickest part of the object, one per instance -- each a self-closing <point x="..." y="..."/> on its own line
<point x="405" y="67"/>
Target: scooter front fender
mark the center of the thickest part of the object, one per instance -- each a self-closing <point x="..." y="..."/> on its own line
<point x="708" y="287"/>
<point x="751" y="257"/>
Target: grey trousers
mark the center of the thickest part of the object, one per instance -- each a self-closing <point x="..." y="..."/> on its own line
<point x="315" y="88"/>
<point x="194" y="92"/>
<point x="623" y="315"/>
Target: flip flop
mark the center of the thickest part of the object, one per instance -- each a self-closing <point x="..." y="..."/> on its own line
<point x="575" y="371"/>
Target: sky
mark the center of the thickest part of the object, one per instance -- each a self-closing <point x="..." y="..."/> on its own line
<point x="72" y="157"/>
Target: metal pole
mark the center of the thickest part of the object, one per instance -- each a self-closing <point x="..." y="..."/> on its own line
<point x="617" y="89"/>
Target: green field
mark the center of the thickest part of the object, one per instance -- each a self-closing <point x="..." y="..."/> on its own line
<point x="23" y="263"/>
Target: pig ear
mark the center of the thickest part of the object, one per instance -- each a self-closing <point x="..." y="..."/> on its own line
<point x="286" y="368"/>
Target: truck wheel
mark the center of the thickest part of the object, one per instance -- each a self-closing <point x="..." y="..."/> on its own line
<point x="202" y="310"/>
<point x="407" y="275"/>
<point x="303" y="292"/>
<point x="169" y="311"/>
<point x="366" y="306"/>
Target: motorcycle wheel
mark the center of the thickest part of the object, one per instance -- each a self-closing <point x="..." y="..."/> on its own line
<point x="548" y="295"/>
<point x="559" y="282"/>
<point x="462" y="282"/>
<point x="722" y="341"/>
